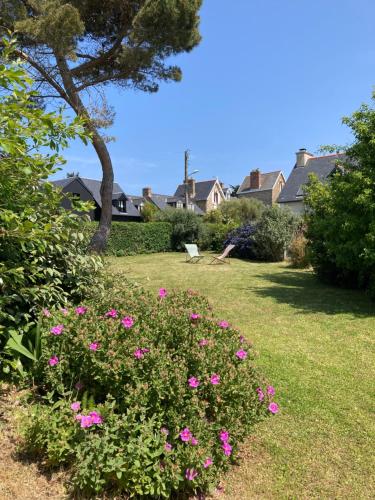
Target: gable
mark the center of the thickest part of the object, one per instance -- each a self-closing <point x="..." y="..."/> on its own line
<point x="267" y="182"/>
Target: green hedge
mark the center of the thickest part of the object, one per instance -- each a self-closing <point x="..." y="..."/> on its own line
<point x="131" y="238"/>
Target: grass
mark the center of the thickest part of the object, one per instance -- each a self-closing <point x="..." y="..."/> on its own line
<point x="316" y="346"/>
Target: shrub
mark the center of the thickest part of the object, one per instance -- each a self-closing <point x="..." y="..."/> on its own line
<point x="239" y="211"/>
<point x="43" y="257"/>
<point x="213" y="236"/>
<point x="274" y="233"/>
<point x="186" y="226"/>
<point x="243" y="238"/>
<point x="149" y="212"/>
<point x="156" y="395"/>
<point x="298" y="251"/>
<point x="132" y="238"/>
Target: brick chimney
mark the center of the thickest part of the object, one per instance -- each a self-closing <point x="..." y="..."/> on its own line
<point x="146" y="192"/>
<point x="302" y="156"/>
<point x="191" y="187"/>
<point x="255" y="179"/>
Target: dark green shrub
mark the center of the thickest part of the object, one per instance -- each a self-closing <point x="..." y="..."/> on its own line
<point x="186" y="226"/>
<point x="164" y="394"/>
<point x="43" y="259"/>
<point x="213" y="236"/>
<point x="274" y="233"/>
<point x="132" y="238"/>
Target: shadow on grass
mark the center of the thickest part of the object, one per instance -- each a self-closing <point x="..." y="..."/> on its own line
<point x="303" y="291"/>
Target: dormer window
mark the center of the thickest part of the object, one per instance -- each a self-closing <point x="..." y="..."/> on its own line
<point x="121" y="206"/>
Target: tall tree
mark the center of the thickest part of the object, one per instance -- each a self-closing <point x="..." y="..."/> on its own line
<point x="76" y="47"/>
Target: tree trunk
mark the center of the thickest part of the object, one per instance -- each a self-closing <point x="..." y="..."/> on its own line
<point x="100" y="238"/>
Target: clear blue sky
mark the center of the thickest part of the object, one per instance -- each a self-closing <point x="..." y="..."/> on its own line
<point x="269" y="77"/>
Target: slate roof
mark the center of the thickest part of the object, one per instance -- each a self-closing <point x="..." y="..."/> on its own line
<point x="202" y="190"/>
<point x="267" y="182"/>
<point x="321" y="166"/>
<point x="163" y="201"/>
<point x="93" y="186"/>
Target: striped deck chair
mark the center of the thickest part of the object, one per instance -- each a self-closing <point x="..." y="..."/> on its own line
<point x="222" y="258"/>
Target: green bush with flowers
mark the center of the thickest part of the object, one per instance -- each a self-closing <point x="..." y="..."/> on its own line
<point x="145" y="395"/>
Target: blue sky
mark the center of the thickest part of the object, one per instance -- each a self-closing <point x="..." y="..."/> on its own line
<point x="269" y="77"/>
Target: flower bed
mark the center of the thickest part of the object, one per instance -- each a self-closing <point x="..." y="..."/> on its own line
<point x="147" y="395"/>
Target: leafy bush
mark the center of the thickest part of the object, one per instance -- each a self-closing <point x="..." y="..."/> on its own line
<point x="239" y="211"/>
<point x="274" y="233"/>
<point x="149" y="212"/>
<point x="213" y="236"/>
<point x="156" y="395"/>
<point x="341" y="215"/>
<point x="186" y="226"/>
<point x="132" y="238"/>
<point x="243" y="238"/>
<point x="43" y="257"/>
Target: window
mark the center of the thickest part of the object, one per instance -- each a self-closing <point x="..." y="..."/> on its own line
<point x="179" y="204"/>
<point x="216" y="198"/>
<point x="77" y="196"/>
<point x="121" y="206"/>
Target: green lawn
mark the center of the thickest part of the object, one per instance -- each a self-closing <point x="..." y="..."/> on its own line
<point x="316" y="346"/>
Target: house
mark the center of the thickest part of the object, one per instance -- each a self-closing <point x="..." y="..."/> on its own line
<point x="306" y="163"/>
<point x="265" y="187"/>
<point x="89" y="190"/>
<point x="206" y="194"/>
<point x="162" y="201"/>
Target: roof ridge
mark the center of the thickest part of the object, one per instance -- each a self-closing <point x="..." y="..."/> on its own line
<point x="325" y="156"/>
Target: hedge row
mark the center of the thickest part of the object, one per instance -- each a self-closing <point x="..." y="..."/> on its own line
<point x="131" y="238"/>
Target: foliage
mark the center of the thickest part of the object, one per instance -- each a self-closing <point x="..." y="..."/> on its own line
<point x="186" y="226"/>
<point x="239" y="211"/>
<point x="243" y="239"/>
<point x="213" y="236"/>
<point x="43" y="257"/>
<point x="131" y="238"/>
<point x="75" y="46"/>
<point x="274" y="233"/>
<point x="298" y="252"/>
<point x="146" y="368"/>
<point x="149" y="211"/>
<point x="341" y="227"/>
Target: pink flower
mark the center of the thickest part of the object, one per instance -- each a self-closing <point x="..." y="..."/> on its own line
<point x="94" y="346"/>
<point x="215" y="379"/>
<point x="241" y="354"/>
<point x="112" y="313"/>
<point x="96" y="418"/>
<point x="271" y="390"/>
<point x="273" y="408"/>
<point x="242" y="339"/>
<point x="260" y="394"/>
<point x="86" y="421"/>
<point x="46" y="313"/>
<point x="227" y="449"/>
<point x="203" y="342"/>
<point x="191" y="474"/>
<point x="186" y="435"/>
<point x="224" y="436"/>
<point x="127" y="322"/>
<point x="78" y="417"/>
<point x="194" y="441"/>
<point x="162" y="292"/>
<point x="80" y="310"/>
<point x="208" y="462"/>
<point x="223" y="324"/>
<point x="138" y="354"/>
<point x="79" y="386"/>
<point x="194" y="316"/>
<point x="193" y="382"/>
<point x="64" y="311"/>
<point x="57" y="330"/>
<point x="164" y="430"/>
<point x="75" y="406"/>
<point x="53" y="361"/>
<point x="168" y="447"/>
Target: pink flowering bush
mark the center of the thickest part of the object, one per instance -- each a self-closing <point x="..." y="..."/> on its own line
<point x="147" y="399"/>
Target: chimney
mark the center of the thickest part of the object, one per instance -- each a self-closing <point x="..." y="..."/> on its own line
<point x="146" y="192"/>
<point x="255" y="179"/>
<point x="302" y="157"/>
<point x="191" y="187"/>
